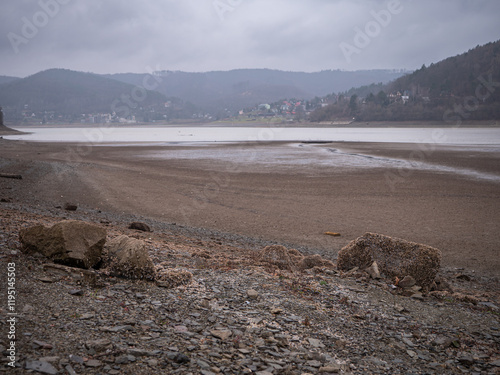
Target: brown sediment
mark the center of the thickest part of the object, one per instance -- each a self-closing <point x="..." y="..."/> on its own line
<point x="294" y="205"/>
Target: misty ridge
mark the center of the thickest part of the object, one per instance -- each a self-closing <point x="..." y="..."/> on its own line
<point x="459" y="88"/>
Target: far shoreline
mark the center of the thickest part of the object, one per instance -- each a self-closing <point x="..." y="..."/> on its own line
<point x="263" y="124"/>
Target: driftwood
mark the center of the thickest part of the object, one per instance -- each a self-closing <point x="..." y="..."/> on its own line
<point x="8" y="175"/>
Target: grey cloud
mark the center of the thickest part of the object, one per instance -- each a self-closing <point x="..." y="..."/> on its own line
<point x="201" y="35"/>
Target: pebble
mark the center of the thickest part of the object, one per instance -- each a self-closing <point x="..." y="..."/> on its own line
<point x="49" y="359"/>
<point x="46" y="279"/>
<point x="222" y="334"/>
<point x="417" y="295"/>
<point x="412" y="354"/>
<point x="181" y="358"/>
<point x="314" y="363"/>
<point x="98" y="345"/>
<point x="276" y="310"/>
<point x="70" y="370"/>
<point x="93" y="363"/>
<point x="315" y="343"/>
<point x="252" y="294"/>
<point x="408" y="342"/>
<point x="407" y="282"/>
<point x="42" y="367"/>
<point x="466" y="359"/>
<point x="76" y="359"/>
<point x="42" y="344"/>
<point x="330" y="369"/>
<point x="122" y="359"/>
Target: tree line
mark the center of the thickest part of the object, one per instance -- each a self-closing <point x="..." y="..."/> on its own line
<point x="465" y="86"/>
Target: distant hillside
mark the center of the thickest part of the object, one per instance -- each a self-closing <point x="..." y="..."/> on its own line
<point x="64" y="94"/>
<point x="463" y="87"/>
<point x="237" y="89"/>
<point x="7" y="79"/>
<point x="456" y="76"/>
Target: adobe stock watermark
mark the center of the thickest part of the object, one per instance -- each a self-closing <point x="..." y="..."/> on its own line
<point x="484" y="89"/>
<point x="32" y="25"/>
<point x="121" y="107"/>
<point x="222" y="7"/>
<point x="11" y="314"/>
<point x="415" y="159"/>
<point x="222" y="179"/>
<point x="373" y="28"/>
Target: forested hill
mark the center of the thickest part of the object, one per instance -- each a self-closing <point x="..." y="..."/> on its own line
<point x="456" y="76"/>
<point x="67" y="91"/>
<point x="463" y="87"/>
<point x="58" y="95"/>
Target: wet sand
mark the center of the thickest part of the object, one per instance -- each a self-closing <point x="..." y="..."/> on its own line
<point x="288" y="203"/>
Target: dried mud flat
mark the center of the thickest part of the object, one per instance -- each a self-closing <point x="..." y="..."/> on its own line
<point x="237" y="315"/>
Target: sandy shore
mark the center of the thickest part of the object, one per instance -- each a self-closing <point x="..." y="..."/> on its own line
<point x="292" y="204"/>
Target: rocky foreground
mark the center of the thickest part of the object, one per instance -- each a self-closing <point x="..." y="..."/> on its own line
<point x="236" y="312"/>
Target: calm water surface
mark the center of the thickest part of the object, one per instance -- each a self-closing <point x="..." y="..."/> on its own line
<point x="172" y="134"/>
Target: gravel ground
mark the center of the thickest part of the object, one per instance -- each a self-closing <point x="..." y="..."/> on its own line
<point x="237" y="315"/>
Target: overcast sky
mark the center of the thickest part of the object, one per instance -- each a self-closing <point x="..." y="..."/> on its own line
<point x="111" y="36"/>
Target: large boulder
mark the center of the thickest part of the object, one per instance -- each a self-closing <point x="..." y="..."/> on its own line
<point x="167" y="277"/>
<point x="70" y="242"/>
<point x="395" y="257"/>
<point x="128" y="257"/>
<point x="278" y="256"/>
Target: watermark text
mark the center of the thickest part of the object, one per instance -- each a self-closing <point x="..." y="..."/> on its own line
<point x="30" y="26"/>
<point x="11" y="314"/>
